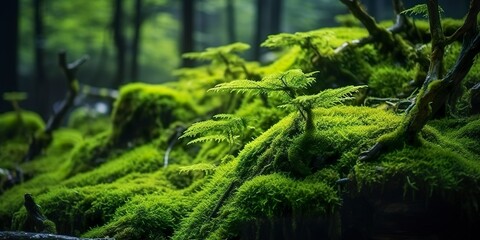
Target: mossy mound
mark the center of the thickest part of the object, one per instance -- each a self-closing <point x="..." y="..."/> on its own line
<point x="245" y="195"/>
<point x="284" y="149"/>
<point x="276" y="177"/>
<point x="41" y="175"/>
<point x="11" y="127"/>
<point x="143" y="110"/>
<point x="16" y="132"/>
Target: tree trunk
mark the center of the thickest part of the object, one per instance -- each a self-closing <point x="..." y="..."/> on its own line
<point x="276" y="17"/>
<point x="136" y="40"/>
<point x="119" y="41"/>
<point x="188" y="29"/>
<point x="260" y="22"/>
<point x="231" y="21"/>
<point x="9" y="56"/>
<point x="41" y="95"/>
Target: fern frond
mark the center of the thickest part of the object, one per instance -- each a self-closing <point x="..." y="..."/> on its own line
<point x="225" y="116"/>
<point x="216" y="138"/>
<point x="328" y="97"/>
<point x="200" y="128"/>
<point x="293" y="79"/>
<point x="242" y="86"/>
<point x="419" y="9"/>
<point x="298" y="38"/>
<point x="200" y="167"/>
<point x="217" y="53"/>
<point x="299" y="80"/>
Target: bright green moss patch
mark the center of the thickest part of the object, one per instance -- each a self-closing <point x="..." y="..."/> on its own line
<point x="151" y="217"/>
<point x="11" y="127"/>
<point x="278" y="167"/>
<point x="85" y="207"/>
<point x="90" y="153"/>
<point x="142" y="110"/>
<point x="388" y="81"/>
<point x="141" y="159"/>
<point x="444" y="165"/>
<point x="239" y="196"/>
<point x="275" y="197"/>
<point x="15" y="136"/>
<point x="88" y="121"/>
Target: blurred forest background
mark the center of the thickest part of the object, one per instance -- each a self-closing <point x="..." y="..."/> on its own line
<point x="142" y="40"/>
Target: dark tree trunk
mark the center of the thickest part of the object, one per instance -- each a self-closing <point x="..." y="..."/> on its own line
<point x="276" y="17"/>
<point x="231" y="21"/>
<point x="41" y="96"/>
<point x="8" y="44"/>
<point x="136" y="40"/>
<point x="188" y="28"/>
<point x="260" y="22"/>
<point x="119" y="41"/>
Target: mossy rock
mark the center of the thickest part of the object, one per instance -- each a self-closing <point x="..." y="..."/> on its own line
<point x="143" y="110"/>
<point x="233" y="205"/>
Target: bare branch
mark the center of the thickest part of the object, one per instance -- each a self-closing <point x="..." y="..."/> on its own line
<point x="367" y="20"/>
<point x="470" y="21"/>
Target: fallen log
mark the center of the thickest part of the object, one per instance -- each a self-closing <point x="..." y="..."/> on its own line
<point x="30" y="235"/>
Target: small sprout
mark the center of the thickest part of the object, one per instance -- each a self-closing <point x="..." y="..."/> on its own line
<point x="225" y="55"/>
<point x="15" y="98"/>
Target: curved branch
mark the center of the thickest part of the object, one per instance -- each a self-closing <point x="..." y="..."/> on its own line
<point x="470" y="22"/>
<point x="41" y="141"/>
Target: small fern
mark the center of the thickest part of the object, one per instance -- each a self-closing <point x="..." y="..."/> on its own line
<point x="206" y="168"/>
<point x="288" y="82"/>
<point x="327" y="98"/>
<point x="306" y="40"/>
<point x="420" y="9"/>
<point x="222" y="128"/>
<point x="225" y="55"/>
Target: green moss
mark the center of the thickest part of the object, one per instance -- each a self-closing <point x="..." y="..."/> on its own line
<point x="115" y="183"/>
<point x="88" y="121"/>
<point x="389" y="81"/>
<point x="88" y="206"/>
<point x="151" y="217"/>
<point x="444" y="164"/>
<point x="142" y="110"/>
<point x="340" y="129"/>
<point x="90" y="153"/>
<point x="274" y="197"/>
<point x="141" y="159"/>
<point x="13" y="128"/>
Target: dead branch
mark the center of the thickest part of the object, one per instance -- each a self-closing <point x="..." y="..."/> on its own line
<point x="29" y="235"/>
<point x="42" y="140"/>
<point x="435" y="88"/>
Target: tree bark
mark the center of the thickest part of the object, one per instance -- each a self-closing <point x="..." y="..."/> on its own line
<point x="436" y="88"/>
<point x="188" y="30"/>
<point x="261" y="9"/>
<point x="231" y="21"/>
<point x="42" y="94"/>
<point x="276" y="17"/>
<point x="119" y="42"/>
<point x="136" y="40"/>
<point x="9" y="55"/>
<point x="31" y="235"/>
<point x="42" y="140"/>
